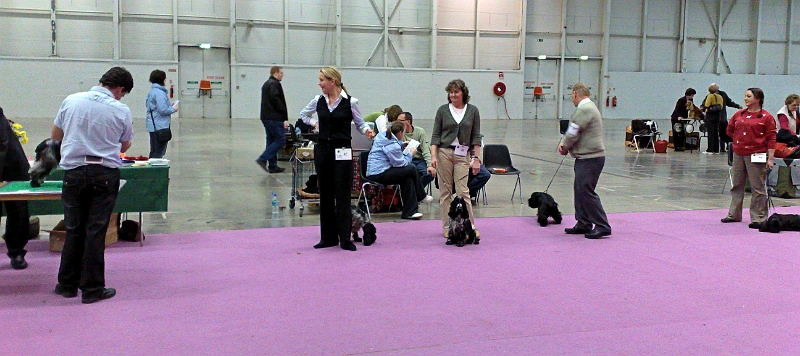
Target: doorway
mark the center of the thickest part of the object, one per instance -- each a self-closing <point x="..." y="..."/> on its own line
<point x="196" y="65"/>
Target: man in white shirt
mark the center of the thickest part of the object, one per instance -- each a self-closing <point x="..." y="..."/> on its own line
<point x="94" y="127"/>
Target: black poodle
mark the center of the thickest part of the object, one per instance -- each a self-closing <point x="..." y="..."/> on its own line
<point x="48" y="154"/>
<point x="546" y="206"/>
<point x="781" y="222"/>
<point x="361" y="222"/>
<point x="461" y="231"/>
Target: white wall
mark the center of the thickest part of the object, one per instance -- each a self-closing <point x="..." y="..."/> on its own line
<point x="420" y="92"/>
<point x="653" y="95"/>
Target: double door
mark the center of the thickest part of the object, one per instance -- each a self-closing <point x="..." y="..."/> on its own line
<point x="213" y="66"/>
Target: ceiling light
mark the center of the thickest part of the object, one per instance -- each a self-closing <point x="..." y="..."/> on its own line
<point x="205" y="45"/>
<point x="542" y="56"/>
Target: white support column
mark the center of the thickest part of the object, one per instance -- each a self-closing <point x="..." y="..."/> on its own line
<point x="604" y="63"/>
<point x="681" y="65"/>
<point x="559" y="99"/>
<point x="477" y="38"/>
<point x="338" y="33"/>
<point x="53" y="47"/>
<point x="286" y="31"/>
<point x="115" y="25"/>
<point x="758" y="36"/>
<point x="789" y="25"/>
<point x="232" y="27"/>
<point x="385" y="33"/>
<point x="175" y="30"/>
<point x="523" y="28"/>
<point x="718" y="57"/>
<point x="643" y="44"/>
<point x="434" y="30"/>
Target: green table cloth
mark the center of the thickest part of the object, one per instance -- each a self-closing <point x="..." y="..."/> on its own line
<point x="145" y="189"/>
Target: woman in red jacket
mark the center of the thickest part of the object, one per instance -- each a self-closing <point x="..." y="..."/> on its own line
<point x="753" y="133"/>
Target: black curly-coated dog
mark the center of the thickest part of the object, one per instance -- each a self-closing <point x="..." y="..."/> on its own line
<point x="48" y="154"/>
<point x="461" y="231"/>
<point x="546" y="207"/>
<point x="781" y="222"/>
<point x="360" y="221"/>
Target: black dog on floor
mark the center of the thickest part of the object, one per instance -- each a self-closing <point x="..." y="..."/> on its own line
<point x="461" y="231"/>
<point x="546" y="207"/>
<point x="361" y="222"/>
<point x="48" y="154"/>
<point x="781" y="222"/>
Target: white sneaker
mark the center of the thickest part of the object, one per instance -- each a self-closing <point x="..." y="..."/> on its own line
<point x="416" y="216"/>
<point x="428" y="199"/>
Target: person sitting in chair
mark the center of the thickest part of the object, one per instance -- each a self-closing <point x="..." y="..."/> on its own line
<point x="422" y="159"/>
<point x="388" y="163"/>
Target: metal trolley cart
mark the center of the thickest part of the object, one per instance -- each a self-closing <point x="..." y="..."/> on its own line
<point x="302" y="168"/>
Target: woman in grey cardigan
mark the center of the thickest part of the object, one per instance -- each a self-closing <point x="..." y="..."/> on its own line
<point x="455" y="148"/>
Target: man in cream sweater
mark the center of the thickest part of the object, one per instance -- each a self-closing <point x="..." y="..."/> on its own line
<point x="584" y="141"/>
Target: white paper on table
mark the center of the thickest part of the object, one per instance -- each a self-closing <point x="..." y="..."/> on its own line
<point x="411" y="144"/>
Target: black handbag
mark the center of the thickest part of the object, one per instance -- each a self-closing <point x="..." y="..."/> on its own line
<point x="162" y="135"/>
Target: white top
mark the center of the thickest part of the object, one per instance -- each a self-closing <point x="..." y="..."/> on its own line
<point x="381" y="123"/>
<point x="458" y="115"/>
<point x="94" y="124"/>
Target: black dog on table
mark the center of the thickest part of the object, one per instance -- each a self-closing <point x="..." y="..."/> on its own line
<point x="361" y="222"/>
<point x="781" y="222"/>
<point x="546" y="207"/>
<point x="461" y="231"/>
<point x="48" y="154"/>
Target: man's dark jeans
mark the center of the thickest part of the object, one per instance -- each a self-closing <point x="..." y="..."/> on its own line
<point x="422" y="169"/>
<point x="89" y="195"/>
<point x="276" y="139"/>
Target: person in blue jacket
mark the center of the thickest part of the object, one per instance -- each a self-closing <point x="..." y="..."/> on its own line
<point x="388" y="163"/>
<point x="158" y="113"/>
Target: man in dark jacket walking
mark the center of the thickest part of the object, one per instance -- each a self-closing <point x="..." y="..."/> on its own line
<point x="723" y="120"/>
<point x="14" y="167"/>
<point x="275" y="118"/>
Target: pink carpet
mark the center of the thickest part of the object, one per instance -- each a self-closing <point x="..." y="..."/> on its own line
<point x="664" y="283"/>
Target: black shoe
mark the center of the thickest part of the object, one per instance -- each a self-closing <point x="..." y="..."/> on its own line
<point x="276" y="170"/>
<point x="597" y="234"/>
<point x="106" y="293"/>
<point x="754" y="225"/>
<point x="262" y="164"/>
<point x="729" y="219"/>
<point x="325" y="244"/>
<point x="65" y="292"/>
<point x="575" y="230"/>
<point x="18" y="262"/>
<point x="349" y="246"/>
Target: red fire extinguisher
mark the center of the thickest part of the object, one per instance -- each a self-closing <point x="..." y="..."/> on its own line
<point x="172" y="91"/>
<point x="607" y="99"/>
<point x="614" y="101"/>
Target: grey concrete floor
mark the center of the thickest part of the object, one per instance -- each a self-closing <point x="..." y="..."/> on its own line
<point x="215" y="184"/>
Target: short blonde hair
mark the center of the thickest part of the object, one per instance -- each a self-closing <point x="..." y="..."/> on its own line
<point x="791" y="98"/>
<point x="713" y="88"/>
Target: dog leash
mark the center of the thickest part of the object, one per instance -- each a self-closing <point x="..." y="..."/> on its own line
<point x="554" y="174"/>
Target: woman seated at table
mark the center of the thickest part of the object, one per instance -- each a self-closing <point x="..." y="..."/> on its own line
<point x="388" y="164"/>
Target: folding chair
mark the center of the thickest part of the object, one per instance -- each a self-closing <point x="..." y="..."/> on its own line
<point x="497" y="160"/>
<point x="363" y="157"/>
<point x="652" y="134"/>
<point x="729" y="150"/>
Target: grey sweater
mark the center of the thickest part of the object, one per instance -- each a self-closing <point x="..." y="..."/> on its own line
<point x="445" y="128"/>
<point x="587" y="140"/>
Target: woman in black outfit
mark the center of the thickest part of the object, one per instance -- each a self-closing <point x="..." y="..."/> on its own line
<point x="335" y="110"/>
<point x="681" y="112"/>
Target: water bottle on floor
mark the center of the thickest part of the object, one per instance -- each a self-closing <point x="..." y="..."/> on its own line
<point x="275" y="204"/>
